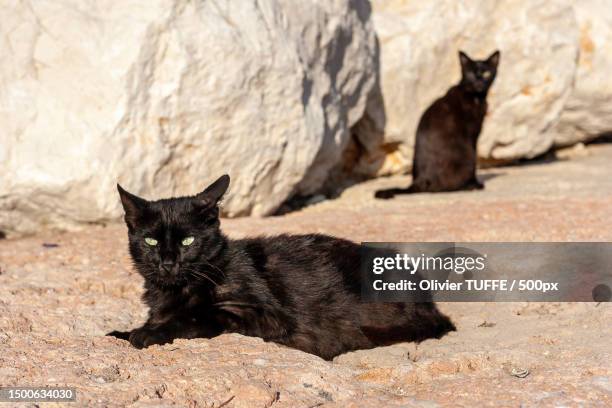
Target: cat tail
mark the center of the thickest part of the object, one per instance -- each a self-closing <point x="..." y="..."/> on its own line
<point x="412" y="189"/>
<point x="392" y="192"/>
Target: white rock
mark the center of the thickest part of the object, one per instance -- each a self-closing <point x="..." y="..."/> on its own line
<point x="165" y="96"/>
<point x="419" y="41"/>
<point x="588" y="111"/>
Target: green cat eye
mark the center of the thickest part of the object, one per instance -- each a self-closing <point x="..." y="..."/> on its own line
<point x="187" y="241"/>
<point x="151" y="241"/>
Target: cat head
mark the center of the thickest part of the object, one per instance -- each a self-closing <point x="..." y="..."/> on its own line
<point x="172" y="241"/>
<point x="477" y="76"/>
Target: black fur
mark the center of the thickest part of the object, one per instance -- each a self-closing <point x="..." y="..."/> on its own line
<point x="302" y="291"/>
<point x="445" y="150"/>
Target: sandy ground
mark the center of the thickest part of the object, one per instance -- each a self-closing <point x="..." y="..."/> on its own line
<point x="56" y="303"/>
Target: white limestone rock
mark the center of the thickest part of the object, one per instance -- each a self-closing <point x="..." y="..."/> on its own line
<point x="588" y="110"/>
<point x="165" y="96"/>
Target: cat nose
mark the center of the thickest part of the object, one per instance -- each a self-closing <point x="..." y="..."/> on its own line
<point x="167" y="266"/>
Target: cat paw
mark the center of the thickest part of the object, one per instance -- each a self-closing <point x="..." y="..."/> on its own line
<point x="119" y="334"/>
<point x="384" y="194"/>
<point x="143" y="338"/>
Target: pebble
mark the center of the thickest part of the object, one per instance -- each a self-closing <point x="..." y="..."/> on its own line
<point x="519" y="372"/>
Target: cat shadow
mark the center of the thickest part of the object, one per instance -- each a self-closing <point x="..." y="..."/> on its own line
<point x="603" y="138"/>
<point x="367" y="134"/>
<point x="483" y="178"/>
<point x="545" y="158"/>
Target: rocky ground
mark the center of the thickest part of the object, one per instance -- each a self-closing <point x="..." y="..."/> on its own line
<point x="60" y="292"/>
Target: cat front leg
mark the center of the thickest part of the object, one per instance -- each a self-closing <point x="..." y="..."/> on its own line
<point x="122" y="335"/>
<point x="178" y="328"/>
<point x="149" y="335"/>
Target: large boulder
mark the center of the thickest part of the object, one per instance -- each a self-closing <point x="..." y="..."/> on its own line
<point x="164" y="96"/>
<point x="588" y="111"/>
<point x="419" y="43"/>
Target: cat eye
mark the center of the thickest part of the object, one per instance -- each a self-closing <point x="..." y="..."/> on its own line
<point x="486" y="74"/>
<point x="150" y="241"/>
<point x="187" y="241"/>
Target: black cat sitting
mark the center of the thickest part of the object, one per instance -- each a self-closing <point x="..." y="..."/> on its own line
<point x="302" y="291"/>
<point x="445" y="149"/>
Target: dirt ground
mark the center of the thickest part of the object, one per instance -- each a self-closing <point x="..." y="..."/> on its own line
<point x="60" y="292"/>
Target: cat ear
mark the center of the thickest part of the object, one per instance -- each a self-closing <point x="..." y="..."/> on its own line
<point x="493" y="59"/>
<point x="465" y="60"/>
<point x="132" y="205"/>
<point x="215" y="191"/>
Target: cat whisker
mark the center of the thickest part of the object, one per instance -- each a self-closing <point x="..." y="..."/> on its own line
<point x="215" y="268"/>
<point x="208" y="265"/>
<point x="200" y="275"/>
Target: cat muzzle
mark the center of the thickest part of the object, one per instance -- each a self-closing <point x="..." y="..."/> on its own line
<point x="168" y="268"/>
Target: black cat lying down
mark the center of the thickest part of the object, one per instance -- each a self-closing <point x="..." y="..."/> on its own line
<point x="445" y="148"/>
<point x="302" y="291"/>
